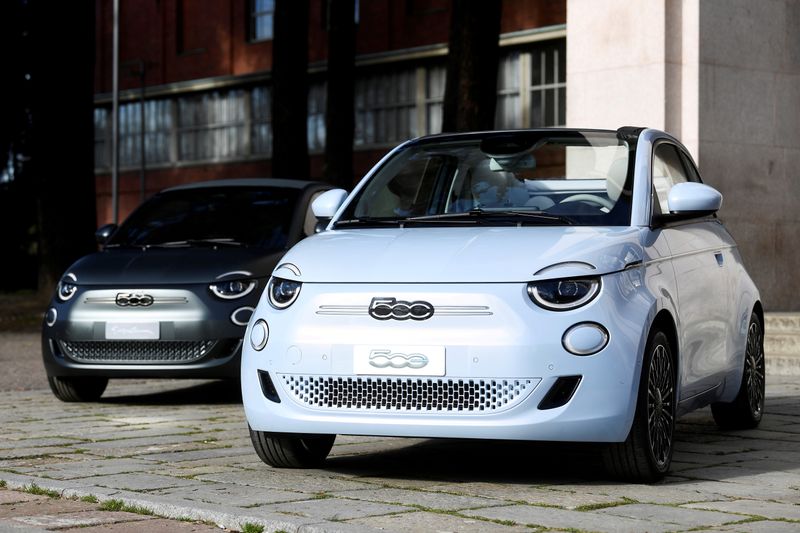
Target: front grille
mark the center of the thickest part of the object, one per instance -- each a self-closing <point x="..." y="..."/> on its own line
<point x="136" y="351"/>
<point x="407" y="394"/>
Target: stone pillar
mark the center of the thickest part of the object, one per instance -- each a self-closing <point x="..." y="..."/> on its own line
<point x="724" y="77"/>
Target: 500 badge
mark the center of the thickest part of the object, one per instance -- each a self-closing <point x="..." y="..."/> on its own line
<point x="399" y="360"/>
<point x="391" y="308"/>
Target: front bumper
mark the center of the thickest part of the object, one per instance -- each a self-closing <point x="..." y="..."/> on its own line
<point x="499" y="367"/>
<point x="196" y="337"/>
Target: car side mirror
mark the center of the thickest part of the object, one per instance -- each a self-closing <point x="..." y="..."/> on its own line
<point x="104" y="232"/>
<point x="696" y="199"/>
<point x="326" y="205"/>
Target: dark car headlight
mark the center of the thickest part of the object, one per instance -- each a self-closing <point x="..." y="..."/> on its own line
<point x="563" y="294"/>
<point x="282" y="292"/>
<point x="66" y="289"/>
<point x="232" y="289"/>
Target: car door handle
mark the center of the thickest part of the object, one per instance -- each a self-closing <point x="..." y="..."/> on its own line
<point x="720" y="259"/>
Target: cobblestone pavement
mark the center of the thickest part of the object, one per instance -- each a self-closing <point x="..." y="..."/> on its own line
<point x="180" y="449"/>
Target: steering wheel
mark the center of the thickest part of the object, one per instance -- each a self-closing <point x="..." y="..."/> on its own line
<point x="590" y="198"/>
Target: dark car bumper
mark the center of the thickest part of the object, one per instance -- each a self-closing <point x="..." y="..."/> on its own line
<point x="188" y="334"/>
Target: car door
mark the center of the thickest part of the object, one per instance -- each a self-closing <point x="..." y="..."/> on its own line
<point x="700" y="249"/>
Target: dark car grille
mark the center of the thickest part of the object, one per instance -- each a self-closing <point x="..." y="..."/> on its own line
<point x="132" y="352"/>
<point x="407" y="394"/>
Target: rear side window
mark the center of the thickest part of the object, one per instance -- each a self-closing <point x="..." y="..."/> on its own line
<point x="668" y="170"/>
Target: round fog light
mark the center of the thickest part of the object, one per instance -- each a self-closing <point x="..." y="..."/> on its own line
<point x="259" y="335"/>
<point x="585" y="338"/>
<point x="51" y="316"/>
<point x="241" y="316"/>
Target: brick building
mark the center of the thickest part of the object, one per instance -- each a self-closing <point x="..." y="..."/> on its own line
<point x="205" y="68"/>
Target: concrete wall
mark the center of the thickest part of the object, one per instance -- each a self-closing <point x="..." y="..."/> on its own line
<point x="724" y="77"/>
<point x="750" y="133"/>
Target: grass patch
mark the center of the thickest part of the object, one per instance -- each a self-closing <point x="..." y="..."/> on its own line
<point x="3" y="483"/>
<point x="89" y="499"/>
<point x="322" y="496"/>
<point x="604" y="505"/>
<point x="249" y="527"/>
<point x="120" y="506"/>
<point x="33" y="488"/>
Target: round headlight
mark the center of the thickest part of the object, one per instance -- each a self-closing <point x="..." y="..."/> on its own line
<point x="66" y="289"/>
<point x="282" y="292"/>
<point x="259" y="335"/>
<point x="563" y="294"/>
<point x="232" y="289"/>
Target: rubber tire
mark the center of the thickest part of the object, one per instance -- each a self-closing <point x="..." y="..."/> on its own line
<point x="77" y="389"/>
<point x="633" y="460"/>
<point x="308" y="451"/>
<point x="738" y="414"/>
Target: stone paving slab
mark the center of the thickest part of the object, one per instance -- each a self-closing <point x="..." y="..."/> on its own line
<point x="425" y="521"/>
<point x="549" y="517"/>
<point x="686" y="519"/>
<point x="154" y="444"/>
<point x="753" y="508"/>
<point x="79" y="519"/>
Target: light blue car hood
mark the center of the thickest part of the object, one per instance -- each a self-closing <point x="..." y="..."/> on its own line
<point x="460" y="255"/>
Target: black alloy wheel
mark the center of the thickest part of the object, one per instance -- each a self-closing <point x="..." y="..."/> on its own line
<point x="646" y="454"/>
<point x="746" y="410"/>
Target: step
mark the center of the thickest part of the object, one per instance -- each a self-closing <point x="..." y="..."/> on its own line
<point x="782" y="365"/>
<point x="782" y="323"/>
<point x="782" y="344"/>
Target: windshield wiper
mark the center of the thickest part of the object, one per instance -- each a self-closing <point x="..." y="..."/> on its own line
<point x="197" y="242"/>
<point x="508" y="214"/>
<point x="367" y="221"/>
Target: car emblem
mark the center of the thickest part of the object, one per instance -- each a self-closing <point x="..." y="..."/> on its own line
<point x="391" y="308"/>
<point x="384" y="358"/>
<point x="127" y="299"/>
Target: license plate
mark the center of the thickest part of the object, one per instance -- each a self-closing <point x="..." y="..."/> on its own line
<point x="132" y="330"/>
<point x="399" y="360"/>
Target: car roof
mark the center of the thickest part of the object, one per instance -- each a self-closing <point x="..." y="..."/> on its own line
<point x="627" y="132"/>
<point x="247" y="182"/>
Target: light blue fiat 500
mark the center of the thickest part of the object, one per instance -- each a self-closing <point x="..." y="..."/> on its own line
<point x="549" y="285"/>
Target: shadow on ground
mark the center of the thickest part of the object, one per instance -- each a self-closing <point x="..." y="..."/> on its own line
<point x="216" y="392"/>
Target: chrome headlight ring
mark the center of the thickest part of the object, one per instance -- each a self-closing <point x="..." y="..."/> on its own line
<point x="564" y="294"/>
<point x="282" y="292"/>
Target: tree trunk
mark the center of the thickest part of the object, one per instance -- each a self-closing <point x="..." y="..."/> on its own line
<point x="470" y="95"/>
<point x="62" y="142"/>
<point x="290" y="90"/>
<point x="339" y="115"/>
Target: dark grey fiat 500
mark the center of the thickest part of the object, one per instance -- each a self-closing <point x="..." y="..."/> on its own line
<point x="174" y="286"/>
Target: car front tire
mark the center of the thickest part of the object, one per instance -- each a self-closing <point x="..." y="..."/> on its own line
<point x="77" y="389"/>
<point x="307" y="451"/>
<point x="746" y="410"/>
<point x="645" y="456"/>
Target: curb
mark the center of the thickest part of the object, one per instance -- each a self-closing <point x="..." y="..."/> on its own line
<point x="166" y="507"/>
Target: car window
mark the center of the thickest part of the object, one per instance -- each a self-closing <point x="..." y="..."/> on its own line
<point x="577" y="176"/>
<point x="667" y="171"/>
<point x="250" y="216"/>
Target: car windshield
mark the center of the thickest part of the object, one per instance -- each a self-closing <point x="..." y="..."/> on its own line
<point x="218" y="216"/>
<point x="528" y="177"/>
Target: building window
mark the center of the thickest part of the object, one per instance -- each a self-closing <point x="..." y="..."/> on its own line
<point x="548" y="84"/>
<point x="317" y="104"/>
<point x="158" y="132"/>
<point x="386" y="108"/>
<point x="434" y="98"/>
<point x="261" y="127"/>
<point x="507" y="115"/>
<point x="262" y="14"/>
<point x="213" y="126"/>
<point x="101" y="135"/>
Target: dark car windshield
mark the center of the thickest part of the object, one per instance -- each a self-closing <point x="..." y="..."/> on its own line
<point x="246" y="216"/>
<point x="561" y="177"/>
